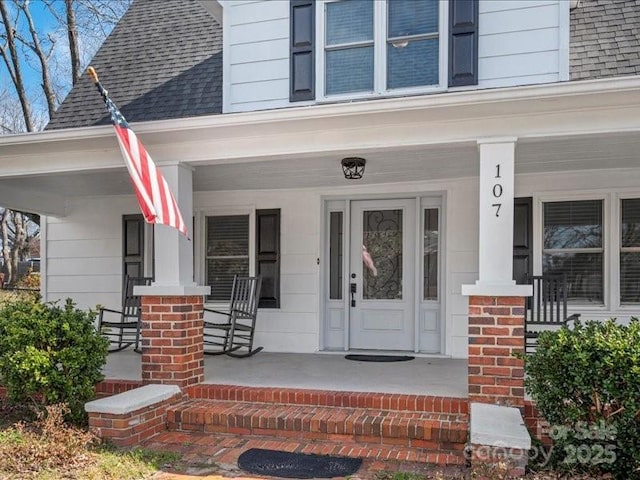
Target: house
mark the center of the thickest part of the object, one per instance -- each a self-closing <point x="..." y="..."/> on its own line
<point x="256" y="103"/>
<point x="494" y="140"/>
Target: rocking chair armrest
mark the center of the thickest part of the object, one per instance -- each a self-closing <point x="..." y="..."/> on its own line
<point x="242" y="312"/>
<point x="572" y="318"/>
<point x="104" y="309"/>
<point x="211" y="310"/>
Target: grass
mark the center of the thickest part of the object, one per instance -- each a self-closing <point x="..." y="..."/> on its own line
<point x="48" y="449"/>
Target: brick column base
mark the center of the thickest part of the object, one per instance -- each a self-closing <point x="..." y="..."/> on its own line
<point x="172" y="348"/>
<point x="496" y="332"/>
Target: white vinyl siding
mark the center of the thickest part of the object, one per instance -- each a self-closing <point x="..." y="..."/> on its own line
<point x="522" y="42"/>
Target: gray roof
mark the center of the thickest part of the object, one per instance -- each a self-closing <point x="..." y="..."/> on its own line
<point x="163" y="60"/>
<point x="605" y="39"/>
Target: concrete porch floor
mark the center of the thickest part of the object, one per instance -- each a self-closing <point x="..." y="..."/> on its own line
<point x="319" y="371"/>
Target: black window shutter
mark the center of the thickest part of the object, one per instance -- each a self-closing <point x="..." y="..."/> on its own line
<point x="268" y="256"/>
<point x="132" y="246"/>
<point x="463" y="42"/>
<point x="302" y="51"/>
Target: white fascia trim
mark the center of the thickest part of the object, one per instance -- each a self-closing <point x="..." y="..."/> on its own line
<point x="568" y="91"/>
<point x="215" y="8"/>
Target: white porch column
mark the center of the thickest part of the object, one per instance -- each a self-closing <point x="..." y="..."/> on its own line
<point x="173" y="252"/>
<point x="495" y="262"/>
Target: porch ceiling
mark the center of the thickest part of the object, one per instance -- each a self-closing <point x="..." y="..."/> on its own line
<point x="384" y="165"/>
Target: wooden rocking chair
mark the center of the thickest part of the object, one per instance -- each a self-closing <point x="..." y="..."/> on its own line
<point x="123" y="327"/>
<point x="237" y="331"/>
<point x="547" y="308"/>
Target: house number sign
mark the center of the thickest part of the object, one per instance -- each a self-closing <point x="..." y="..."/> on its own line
<point x="497" y="191"/>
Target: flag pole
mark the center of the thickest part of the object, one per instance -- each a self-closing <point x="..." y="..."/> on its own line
<point x="154" y="196"/>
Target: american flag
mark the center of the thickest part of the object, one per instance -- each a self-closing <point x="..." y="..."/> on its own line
<point x="156" y="201"/>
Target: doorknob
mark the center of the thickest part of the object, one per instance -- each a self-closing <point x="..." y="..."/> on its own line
<point x="353" y="290"/>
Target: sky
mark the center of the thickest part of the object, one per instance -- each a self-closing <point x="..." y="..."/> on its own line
<point x="48" y="29"/>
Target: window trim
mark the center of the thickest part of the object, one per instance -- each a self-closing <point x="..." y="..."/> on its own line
<point x="380" y="56"/>
<point x="607" y="264"/>
<point x="200" y="243"/>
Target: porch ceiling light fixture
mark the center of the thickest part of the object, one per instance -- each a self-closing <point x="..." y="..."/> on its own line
<point x="353" y="167"/>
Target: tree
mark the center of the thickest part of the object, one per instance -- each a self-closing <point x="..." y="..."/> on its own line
<point x="44" y="47"/>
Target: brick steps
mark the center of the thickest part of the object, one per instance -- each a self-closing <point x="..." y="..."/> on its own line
<point x="225" y="448"/>
<point x="292" y="396"/>
<point x="421" y="432"/>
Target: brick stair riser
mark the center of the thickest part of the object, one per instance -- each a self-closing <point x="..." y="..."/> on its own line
<point x="379" y="401"/>
<point x="385" y="428"/>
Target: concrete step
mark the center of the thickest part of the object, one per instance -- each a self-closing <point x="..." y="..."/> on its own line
<point x="292" y="396"/>
<point x="441" y="434"/>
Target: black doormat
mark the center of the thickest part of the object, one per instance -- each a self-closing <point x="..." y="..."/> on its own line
<point x="379" y="358"/>
<point x="296" y="465"/>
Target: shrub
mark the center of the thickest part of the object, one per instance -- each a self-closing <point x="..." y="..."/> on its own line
<point x="50" y="354"/>
<point x="585" y="381"/>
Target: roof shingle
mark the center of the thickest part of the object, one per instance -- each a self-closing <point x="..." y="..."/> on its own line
<point x="163" y="60"/>
<point x="605" y="39"/>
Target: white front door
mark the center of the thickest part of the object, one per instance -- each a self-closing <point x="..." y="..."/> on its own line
<point x="382" y="275"/>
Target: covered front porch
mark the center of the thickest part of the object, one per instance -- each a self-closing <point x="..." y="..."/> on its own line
<point x="433" y="376"/>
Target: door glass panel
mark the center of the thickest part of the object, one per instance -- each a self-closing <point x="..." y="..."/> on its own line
<point x="430" y="255"/>
<point x="382" y="255"/>
<point x="335" y="256"/>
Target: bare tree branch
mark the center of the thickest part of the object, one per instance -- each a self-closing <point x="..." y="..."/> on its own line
<point x="15" y="72"/>
<point x="37" y="49"/>
<point x="72" y="33"/>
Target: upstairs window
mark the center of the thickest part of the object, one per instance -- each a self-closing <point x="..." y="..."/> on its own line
<point x="378" y="46"/>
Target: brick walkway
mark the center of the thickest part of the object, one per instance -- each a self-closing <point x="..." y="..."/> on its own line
<point x="207" y="456"/>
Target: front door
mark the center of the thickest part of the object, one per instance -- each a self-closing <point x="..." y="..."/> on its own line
<point x="382" y="275"/>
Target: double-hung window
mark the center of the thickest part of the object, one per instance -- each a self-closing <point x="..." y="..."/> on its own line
<point x="381" y="46"/>
<point x="573" y="245"/>
<point x="630" y="251"/>
<point x="227" y="253"/>
<point x="243" y="244"/>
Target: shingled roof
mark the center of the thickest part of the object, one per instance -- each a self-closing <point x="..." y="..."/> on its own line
<point x="605" y="39"/>
<point x="163" y="60"/>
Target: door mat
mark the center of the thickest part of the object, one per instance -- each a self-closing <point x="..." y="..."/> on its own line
<point x="379" y="358"/>
<point x="296" y="465"/>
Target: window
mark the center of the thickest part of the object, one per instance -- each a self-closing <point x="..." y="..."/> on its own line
<point x="573" y="246"/>
<point x="228" y="247"/>
<point x="430" y="254"/>
<point x="630" y="251"/>
<point x="335" y="256"/>
<point x="375" y="46"/>
<point x="227" y="253"/>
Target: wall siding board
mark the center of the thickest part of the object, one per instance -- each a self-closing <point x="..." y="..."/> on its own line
<point x="258" y="71"/>
<point x="519" y="19"/>
<point x="260" y="91"/>
<point x="277" y="49"/>
<point x="259" y="12"/>
<point x="510" y="43"/>
<point x="519" y="43"/>
<point x="526" y="64"/>
<point x="489" y="6"/>
<point x="267" y="30"/>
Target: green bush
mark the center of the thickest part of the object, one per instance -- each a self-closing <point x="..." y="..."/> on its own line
<point x="585" y="380"/>
<point x="50" y="354"/>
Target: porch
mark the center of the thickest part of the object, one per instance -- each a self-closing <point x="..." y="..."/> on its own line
<point x="433" y="376"/>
